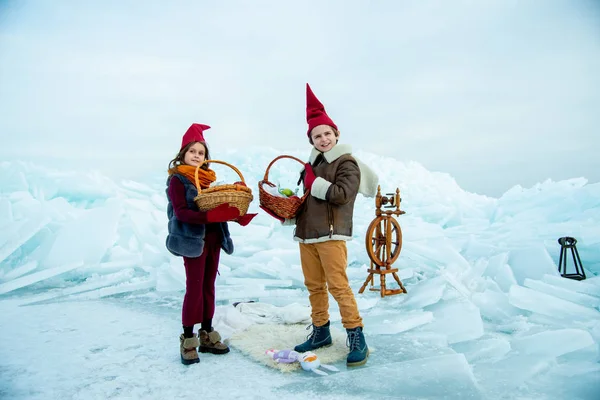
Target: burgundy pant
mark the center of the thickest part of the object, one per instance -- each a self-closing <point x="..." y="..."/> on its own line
<point x="200" y="277"/>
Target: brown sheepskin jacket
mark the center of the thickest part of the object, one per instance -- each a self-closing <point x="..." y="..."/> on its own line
<point x="327" y="212"/>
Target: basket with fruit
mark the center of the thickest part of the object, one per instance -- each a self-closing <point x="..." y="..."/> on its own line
<point x="238" y="194"/>
<point x="287" y="203"/>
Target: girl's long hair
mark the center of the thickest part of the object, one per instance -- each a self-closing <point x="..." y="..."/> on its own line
<point x="178" y="160"/>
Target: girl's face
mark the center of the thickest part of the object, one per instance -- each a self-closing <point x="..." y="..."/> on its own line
<point x="323" y="138"/>
<point x="195" y="155"/>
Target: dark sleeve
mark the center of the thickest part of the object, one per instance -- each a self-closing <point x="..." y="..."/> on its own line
<point x="180" y="208"/>
<point x="345" y="186"/>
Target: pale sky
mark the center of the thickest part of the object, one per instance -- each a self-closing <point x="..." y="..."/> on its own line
<point x="495" y="93"/>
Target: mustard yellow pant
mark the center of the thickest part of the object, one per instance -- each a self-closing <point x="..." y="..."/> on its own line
<point x="324" y="267"/>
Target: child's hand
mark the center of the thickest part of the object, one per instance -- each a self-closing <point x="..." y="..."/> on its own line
<point x="222" y="213"/>
<point x="309" y="176"/>
<point x="272" y="214"/>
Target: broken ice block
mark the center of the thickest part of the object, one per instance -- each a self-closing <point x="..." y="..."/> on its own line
<point x="553" y="343"/>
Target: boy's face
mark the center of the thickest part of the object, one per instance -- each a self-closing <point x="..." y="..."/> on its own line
<point x="195" y="155"/>
<point x="323" y="138"/>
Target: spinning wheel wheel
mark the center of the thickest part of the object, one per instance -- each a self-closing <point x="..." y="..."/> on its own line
<point x="380" y="251"/>
<point x="384" y="242"/>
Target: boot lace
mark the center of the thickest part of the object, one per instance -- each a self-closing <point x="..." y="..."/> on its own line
<point x="353" y="340"/>
<point x="315" y="331"/>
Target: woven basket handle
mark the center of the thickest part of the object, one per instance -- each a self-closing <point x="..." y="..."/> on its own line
<point x="218" y="162"/>
<point x="266" y="178"/>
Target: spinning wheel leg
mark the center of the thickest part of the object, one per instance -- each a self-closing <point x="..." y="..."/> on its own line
<point x="369" y="279"/>
<point x="382" y="279"/>
<point x="399" y="282"/>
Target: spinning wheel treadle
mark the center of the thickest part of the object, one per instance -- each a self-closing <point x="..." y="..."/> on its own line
<point x="383" y="242"/>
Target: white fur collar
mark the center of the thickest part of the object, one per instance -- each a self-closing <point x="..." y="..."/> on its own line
<point x="368" y="177"/>
<point x="336" y="152"/>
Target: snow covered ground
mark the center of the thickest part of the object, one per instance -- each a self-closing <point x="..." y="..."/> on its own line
<point x="90" y="298"/>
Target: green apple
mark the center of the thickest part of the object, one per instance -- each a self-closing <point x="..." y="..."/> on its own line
<point x="286" y="192"/>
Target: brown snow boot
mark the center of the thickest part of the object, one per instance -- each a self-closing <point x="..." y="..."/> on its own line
<point x="187" y="347"/>
<point x="210" y="342"/>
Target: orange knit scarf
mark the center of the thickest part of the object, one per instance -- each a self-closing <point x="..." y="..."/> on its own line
<point x="205" y="177"/>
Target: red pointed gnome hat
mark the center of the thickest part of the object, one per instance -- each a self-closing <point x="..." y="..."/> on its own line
<point x="194" y="134"/>
<point x="315" y="112"/>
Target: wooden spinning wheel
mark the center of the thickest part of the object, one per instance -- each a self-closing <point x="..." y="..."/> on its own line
<point x="383" y="242"/>
<point x="380" y="251"/>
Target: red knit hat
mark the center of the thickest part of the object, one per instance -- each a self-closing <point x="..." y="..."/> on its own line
<point x="194" y="134"/>
<point x="315" y="112"/>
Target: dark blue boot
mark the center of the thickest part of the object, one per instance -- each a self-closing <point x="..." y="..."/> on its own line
<point x="359" y="351"/>
<point x="319" y="337"/>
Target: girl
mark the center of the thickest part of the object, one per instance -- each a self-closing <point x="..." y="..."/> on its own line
<point x="198" y="237"/>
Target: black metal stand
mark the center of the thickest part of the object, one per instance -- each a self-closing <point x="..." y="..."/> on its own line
<point x="569" y="243"/>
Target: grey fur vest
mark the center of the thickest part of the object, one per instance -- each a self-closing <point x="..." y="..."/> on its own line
<point x="185" y="239"/>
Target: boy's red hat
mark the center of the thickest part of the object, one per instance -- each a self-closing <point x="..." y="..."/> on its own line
<point x="315" y="112"/>
<point x="194" y="134"/>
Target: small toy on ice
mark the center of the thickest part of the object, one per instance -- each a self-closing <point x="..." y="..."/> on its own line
<point x="283" y="356"/>
<point x="308" y="361"/>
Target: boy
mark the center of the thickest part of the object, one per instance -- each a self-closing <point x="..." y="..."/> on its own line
<point x="324" y="224"/>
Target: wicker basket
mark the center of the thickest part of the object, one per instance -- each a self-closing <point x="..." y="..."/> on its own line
<point x="238" y="196"/>
<point x="285" y="207"/>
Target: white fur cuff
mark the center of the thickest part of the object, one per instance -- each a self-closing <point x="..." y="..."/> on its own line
<point x="319" y="188"/>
